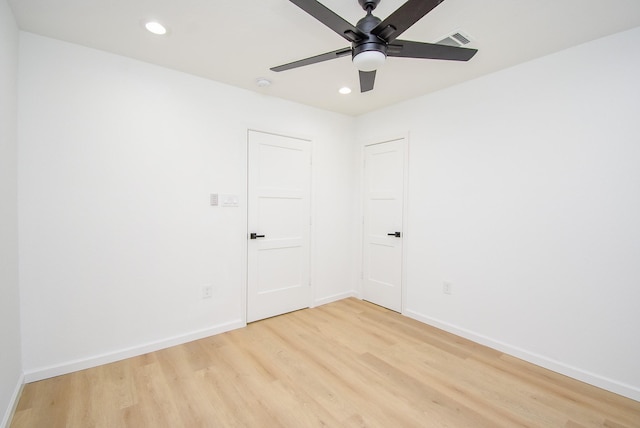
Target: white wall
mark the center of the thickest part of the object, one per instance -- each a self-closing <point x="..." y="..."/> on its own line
<point x="117" y="238"/>
<point x="525" y="194"/>
<point x="10" y="358"/>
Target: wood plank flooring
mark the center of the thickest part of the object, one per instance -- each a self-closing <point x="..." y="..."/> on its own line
<point x="345" y="364"/>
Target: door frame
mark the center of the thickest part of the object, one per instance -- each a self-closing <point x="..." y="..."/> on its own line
<point x="244" y="293"/>
<point x="405" y="206"/>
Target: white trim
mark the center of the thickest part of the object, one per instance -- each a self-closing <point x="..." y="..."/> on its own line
<point x="385" y="139"/>
<point x="406" y="236"/>
<point x="312" y="224"/>
<point x="280" y="134"/>
<point x="244" y="260"/>
<point x="531" y="357"/>
<point x="13" y="403"/>
<point x="98" y="360"/>
<point x="335" y="298"/>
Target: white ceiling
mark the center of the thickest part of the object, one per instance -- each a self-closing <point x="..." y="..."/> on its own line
<point x="236" y="42"/>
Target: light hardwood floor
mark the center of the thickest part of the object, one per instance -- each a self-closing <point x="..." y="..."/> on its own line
<point x="345" y="364"/>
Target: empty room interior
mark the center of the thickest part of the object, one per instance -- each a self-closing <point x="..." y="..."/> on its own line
<point x="335" y="213"/>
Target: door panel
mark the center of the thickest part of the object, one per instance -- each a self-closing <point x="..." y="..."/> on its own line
<point x="384" y="185"/>
<point x="279" y="180"/>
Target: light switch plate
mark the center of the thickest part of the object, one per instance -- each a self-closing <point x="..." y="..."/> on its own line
<point x="229" y="200"/>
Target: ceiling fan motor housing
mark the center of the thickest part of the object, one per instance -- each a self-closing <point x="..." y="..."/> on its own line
<point x="371" y="42"/>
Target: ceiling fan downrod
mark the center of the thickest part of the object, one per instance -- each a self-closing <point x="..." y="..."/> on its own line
<point x="369" y="5"/>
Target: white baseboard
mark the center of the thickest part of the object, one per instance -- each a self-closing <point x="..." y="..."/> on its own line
<point x="13" y="404"/>
<point x="334" y="298"/>
<point x="614" y="386"/>
<point x="98" y="360"/>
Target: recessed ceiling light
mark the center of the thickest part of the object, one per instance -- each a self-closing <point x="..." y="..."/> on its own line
<point x="344" y="90"/>
<point x="156" y="28"/>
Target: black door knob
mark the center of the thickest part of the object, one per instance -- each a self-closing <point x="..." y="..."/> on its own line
<point x="396" y="234"/>
<point x="255" y="235"/>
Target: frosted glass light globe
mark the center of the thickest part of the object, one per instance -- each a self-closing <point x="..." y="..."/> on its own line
<point x="369" y="60"/>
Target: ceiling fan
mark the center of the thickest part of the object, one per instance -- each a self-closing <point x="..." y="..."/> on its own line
<point x="373" y="40"/>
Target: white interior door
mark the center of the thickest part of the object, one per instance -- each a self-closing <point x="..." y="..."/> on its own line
<point x="384" y="188"/>
<point x="279" y="217"/>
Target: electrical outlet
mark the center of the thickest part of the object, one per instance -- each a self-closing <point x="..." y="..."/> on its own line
<point x="207" y="291"/>
<point x="447" y="287"/>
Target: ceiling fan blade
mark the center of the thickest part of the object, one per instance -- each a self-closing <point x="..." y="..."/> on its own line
<point x="367" y="79"/>
<point x="314" y="59"/>
<point x="330" y="19"/>
<point x="408" y="49"/>
<point x="403" y="18"/>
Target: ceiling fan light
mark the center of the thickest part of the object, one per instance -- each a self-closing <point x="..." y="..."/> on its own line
<point x="369" y="60"/>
